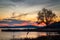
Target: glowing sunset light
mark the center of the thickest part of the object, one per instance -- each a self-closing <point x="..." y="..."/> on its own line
<point x="57" y="19"/>
<point x="23" y="24"/>
<point x="31" y="18"/>
<point x="4" y="24"/>
<point x="42" y="34"/>
<point x="41" y="24"/>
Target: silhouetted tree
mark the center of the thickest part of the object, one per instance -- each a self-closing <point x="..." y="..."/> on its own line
<point x="46" y="15"/>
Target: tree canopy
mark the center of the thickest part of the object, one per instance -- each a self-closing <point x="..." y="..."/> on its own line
<point x="46" y="15"/>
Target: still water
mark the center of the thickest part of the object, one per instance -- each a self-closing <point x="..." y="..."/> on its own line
<point x="11" y="35"/>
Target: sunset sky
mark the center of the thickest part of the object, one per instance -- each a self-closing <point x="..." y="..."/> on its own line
<point x="7" y="7"/>
<point x="31" y="7"/>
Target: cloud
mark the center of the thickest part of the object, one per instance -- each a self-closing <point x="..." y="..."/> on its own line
<point x="35" y="2"/>
<point x="22" y="3"/>
<point x="29" y="4"/>
<point x="5" y="3"/>
<point x="9" y="6"/>
<point x="54" y="2"/>
<point x="17" y="0"/>
<point x="26" y="2"/>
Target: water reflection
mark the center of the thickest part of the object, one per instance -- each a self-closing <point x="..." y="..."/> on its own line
<point x="21" y="34"/>
<point x="11" y="35"/>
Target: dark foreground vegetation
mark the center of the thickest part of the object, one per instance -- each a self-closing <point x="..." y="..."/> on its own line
<point x="54" y="25"/>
